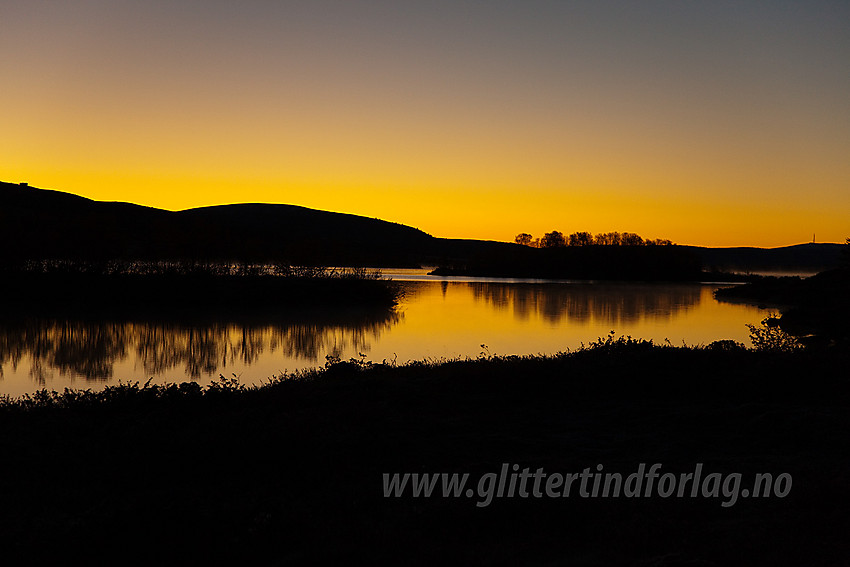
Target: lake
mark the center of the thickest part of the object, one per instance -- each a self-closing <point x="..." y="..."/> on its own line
<point x="438" y="318"/>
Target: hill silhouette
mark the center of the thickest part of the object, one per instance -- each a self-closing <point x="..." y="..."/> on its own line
<point x="51" y="224"/>
<point x="809" y="257"/>
<point x="48" y="224"/>
<point x="44" y="223"/>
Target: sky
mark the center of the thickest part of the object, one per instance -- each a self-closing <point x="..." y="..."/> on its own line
<point x="711" y="123"/>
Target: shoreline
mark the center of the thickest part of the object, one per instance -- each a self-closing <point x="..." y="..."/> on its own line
<point x="292" y="472"/>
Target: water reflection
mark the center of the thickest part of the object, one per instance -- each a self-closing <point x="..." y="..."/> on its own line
<point x="436" y="319"/>
<point x="91" y="349"/>
<point x="615" y="304"/>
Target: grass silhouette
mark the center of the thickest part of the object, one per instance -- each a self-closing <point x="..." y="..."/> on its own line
<point x="183" y="289"/>
<point x="290" y="471"/>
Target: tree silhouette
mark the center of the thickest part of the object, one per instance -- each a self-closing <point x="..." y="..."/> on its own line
<point x="608" y="239"/>
<point x="581" y="239"/>
<point x="553" y="239"/>
<point x="557" y="239"/>
<point x="630" y="239"/>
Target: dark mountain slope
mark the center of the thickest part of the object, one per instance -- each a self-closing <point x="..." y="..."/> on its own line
<point x="813" y="257"/>
<point x="38" y="223"/>
<point x="41" y="223"/>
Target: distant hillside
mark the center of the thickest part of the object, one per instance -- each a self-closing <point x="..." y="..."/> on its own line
<point x="40" y="223"/>
<point x="802" y="257"/>
<point x="51" y="224"/>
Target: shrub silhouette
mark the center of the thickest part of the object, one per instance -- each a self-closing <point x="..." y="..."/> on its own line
<point x="769" y="337"/>
<point x="726" y="345"/>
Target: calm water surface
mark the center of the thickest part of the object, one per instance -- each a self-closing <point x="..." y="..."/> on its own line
<point x="438" y="318"/>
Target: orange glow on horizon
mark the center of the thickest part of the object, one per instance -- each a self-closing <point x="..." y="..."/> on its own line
<point x="702" y="125"/>
<point x="457" y="214"/>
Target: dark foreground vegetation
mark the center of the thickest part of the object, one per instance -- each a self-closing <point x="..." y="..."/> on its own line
<point x="291" y="472"/>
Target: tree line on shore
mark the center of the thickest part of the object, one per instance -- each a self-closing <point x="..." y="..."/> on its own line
<point x="557" y="239"/>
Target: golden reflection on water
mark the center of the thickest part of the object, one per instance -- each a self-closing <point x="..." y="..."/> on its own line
<point x="448" y="319"/>
<point x="100" y="351"/>
<point x="435" y="320"/>
<point x="583" y="303"/>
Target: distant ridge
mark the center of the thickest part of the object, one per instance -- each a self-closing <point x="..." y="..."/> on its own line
<point x="798" y="257"/>
<point x="43" y="223"/>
